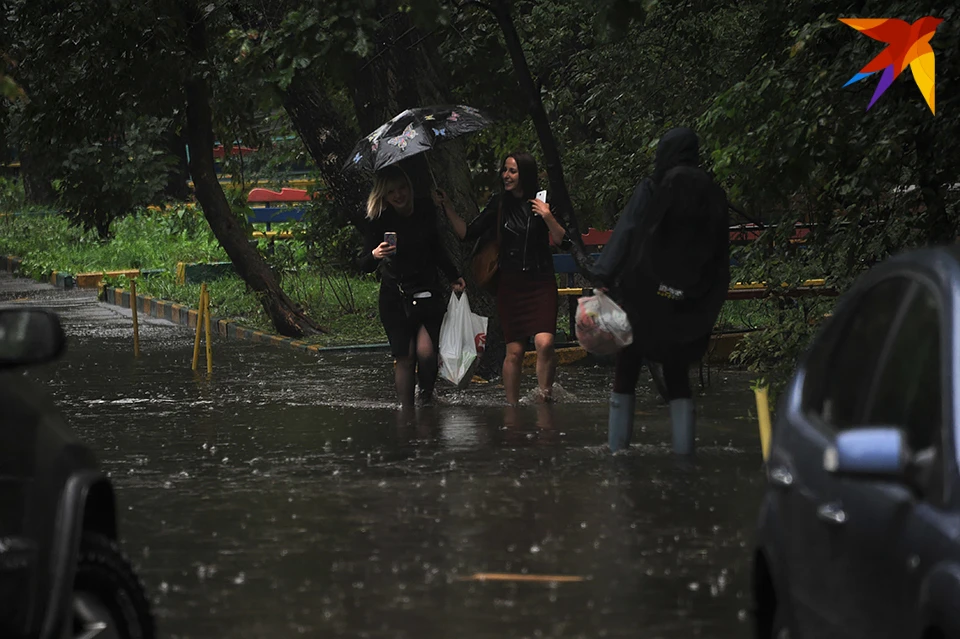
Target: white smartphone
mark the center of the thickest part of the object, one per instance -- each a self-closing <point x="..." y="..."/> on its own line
<point x="542" y="196"/>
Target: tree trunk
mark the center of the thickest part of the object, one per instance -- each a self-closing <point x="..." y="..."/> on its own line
<point x="177" y="188"/>
<point x="226" y="226"/>
<point x="37" y="188"/>
<point x="328" y="138"/>
<point x="551" y="155"/>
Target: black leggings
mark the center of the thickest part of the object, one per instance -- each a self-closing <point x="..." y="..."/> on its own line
<point x="420" y="361"/>
<point x="676" y="372"/>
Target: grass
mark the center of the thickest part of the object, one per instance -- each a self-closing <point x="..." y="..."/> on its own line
<point x="144" y="240"/>
<point x="346" y="305"/>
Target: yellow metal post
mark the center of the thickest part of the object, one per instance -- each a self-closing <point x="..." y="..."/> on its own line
<point x="206" y="323"/>
<point x="196" y="340"/>
<point x="763" y="414"/>
<point x="136" y="324"/>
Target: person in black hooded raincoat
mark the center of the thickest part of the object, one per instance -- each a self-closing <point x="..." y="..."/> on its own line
<point x="667" y="264"/>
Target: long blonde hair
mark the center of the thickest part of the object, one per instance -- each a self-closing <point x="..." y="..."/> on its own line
<point x="387" y="178"/>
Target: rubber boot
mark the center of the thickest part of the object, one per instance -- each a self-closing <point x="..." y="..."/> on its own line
<point x="620" y="424"/>
<point x="683" y="419"/>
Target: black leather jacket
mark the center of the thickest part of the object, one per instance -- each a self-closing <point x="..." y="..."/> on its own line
<point x="524" y="237"/>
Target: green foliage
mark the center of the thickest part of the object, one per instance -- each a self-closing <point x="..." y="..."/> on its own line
<point x="145" y="240"/>
<point x="230" y="298"/>
<point x="792" y="144"/>
<point x="11" y="195"/>
<point x="151" y="239"/>
<point x="99" y="82"/>
<point x="99" y="182"/>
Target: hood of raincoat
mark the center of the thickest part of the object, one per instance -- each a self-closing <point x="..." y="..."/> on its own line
<point x="677" y="147"/>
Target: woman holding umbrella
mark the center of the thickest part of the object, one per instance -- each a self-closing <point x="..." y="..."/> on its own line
<point x="403" y="242"/>
<point x="527" y="288"/>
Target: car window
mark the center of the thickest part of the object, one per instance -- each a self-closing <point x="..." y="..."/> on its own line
<point x="843" y="366"/>
<point x="908" y="391"/>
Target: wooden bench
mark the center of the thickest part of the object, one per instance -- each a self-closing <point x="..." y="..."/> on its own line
<point x="564" y="264"/>
<point x="271" y="207"/>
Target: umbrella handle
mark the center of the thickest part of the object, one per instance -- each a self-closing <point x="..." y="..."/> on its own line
<point x="432" y="176"/>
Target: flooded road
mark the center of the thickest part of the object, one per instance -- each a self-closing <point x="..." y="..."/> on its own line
<point x="286" y="496"/>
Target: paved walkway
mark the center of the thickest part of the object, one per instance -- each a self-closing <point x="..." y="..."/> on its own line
<point x="78" y="308"/>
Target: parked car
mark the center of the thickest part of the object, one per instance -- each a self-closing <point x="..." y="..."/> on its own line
<point x="859" y="530"/>
<point x="62" y="573"/>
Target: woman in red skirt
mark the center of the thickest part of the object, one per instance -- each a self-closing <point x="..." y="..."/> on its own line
<point x="527" y="289"/>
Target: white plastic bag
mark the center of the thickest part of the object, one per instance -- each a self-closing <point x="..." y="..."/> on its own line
<point x="611" y="329"/>
<point x="479" y="332"/>
<point x="459" y="335"/>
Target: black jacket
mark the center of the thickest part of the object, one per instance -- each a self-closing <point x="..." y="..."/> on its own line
<point x="524" y="236"/>
<point x="668" y="259"/>
<point x="419" y="257"/>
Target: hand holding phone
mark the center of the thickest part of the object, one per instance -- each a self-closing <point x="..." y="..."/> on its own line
<point x="542" y="196"/>
<point x="390" y="238"/>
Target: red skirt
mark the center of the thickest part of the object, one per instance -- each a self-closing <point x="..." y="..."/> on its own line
<point x="526" y="304"/>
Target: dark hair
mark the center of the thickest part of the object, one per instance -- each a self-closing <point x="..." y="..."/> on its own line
<point x="529" y="174"/>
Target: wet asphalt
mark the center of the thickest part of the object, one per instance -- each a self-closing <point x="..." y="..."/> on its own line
<point x="285" y="495"/>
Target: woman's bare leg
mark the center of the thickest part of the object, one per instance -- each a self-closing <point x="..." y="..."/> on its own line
<point x="546" y="363"/>
<point x="512" y="364"/>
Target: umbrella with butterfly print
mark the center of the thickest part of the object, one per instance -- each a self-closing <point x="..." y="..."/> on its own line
<point x="414" y="131"/>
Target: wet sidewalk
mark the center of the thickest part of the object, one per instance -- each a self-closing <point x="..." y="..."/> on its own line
<point x="286" y="496"/>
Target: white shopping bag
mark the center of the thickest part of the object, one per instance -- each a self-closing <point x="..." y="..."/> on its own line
<point x="479" y="332"/>
<point x="458" y="341"/>
<point x="611" y="329"/>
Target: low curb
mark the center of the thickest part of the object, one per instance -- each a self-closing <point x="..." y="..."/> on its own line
<point x="12" y="264"/>
<point x="61" y="279"/>
<point x="225" y="328"/>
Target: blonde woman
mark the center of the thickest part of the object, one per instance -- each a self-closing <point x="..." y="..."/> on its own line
<point x="402" y="241"/>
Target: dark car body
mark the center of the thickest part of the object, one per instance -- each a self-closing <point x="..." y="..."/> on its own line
<point x="869" y="548"/>
<point x="52" y="494"/>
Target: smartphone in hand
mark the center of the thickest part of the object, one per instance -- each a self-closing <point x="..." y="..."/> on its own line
<point x="542" y="196"/>
<point x="390" y="238"/>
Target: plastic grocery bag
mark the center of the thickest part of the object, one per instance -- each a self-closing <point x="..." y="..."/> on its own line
<point x="611" y="329"/>
<point x="479" y="332"/>
<point x="459" y="336"/>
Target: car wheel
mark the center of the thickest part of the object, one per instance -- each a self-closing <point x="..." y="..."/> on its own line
<point x="109" y="600"/>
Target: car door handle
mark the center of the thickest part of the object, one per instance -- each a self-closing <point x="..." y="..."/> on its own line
<point x="832" y="513"/>
<point x="780" y="476"/>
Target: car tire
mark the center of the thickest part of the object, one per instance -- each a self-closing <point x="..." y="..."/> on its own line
<point x="109" y="600"/>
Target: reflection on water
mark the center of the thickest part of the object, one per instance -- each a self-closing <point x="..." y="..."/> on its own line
<point x="287" y="496"/>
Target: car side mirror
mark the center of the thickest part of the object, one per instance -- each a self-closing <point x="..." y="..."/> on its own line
<point x="879" y="452"/>
<point x="29" y="336"/>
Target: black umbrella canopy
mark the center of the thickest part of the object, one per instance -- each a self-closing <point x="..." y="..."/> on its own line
<point x="414" y="131"/>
